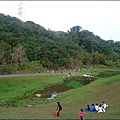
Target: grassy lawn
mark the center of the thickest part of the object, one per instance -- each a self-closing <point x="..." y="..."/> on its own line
<point x="14" y="89"/>
<point x="103" y="89"/>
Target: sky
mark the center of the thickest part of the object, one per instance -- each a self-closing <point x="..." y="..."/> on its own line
<point x="100" y="17"/>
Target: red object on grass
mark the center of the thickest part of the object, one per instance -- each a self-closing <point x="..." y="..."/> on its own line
<point x="56" y="113"/>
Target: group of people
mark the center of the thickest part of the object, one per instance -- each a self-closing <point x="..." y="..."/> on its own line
<point x="92" y="108"/>
<point x="96" y="108"/>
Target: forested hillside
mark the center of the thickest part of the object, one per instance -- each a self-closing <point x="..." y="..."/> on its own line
<point x="27" y="46"/>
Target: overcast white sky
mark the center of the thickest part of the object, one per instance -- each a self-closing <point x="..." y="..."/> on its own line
<point x="100" y="17"/>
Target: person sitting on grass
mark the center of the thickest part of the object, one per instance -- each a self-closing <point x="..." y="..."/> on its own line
<point x="104" y="106"/>
<point x="92" y="108"/>
<point x="96" y="107"/>
<point x="87" y="109"/>
<point x="100" y="109"/>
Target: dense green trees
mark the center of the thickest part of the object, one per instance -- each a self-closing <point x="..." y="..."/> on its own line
<point x="26" y="45"/>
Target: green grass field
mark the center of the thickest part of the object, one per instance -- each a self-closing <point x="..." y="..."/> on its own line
<point x="17" y="89"/>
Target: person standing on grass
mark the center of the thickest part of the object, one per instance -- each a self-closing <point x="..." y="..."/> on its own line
<point x="59" y="108"/>
<point x="81" y="113"/>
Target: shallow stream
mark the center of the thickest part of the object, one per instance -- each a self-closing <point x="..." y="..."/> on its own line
<point x="71" y="83"/>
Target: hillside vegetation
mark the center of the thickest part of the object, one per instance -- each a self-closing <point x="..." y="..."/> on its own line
<point x="26" y="47"/>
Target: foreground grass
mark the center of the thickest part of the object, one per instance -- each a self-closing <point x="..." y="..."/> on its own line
<point x="13" y="89"/>
<point x="103" y="89"/>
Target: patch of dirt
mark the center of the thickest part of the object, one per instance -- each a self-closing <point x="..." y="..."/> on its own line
<point x="59" y="88"/>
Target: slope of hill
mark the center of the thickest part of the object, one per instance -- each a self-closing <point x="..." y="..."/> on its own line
<point x="103" y="89"/>
<point x="24" y="42"/>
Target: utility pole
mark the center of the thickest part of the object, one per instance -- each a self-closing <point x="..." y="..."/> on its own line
<point x="20" y="10"/>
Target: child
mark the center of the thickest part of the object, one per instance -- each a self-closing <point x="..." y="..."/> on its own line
<point x="81" y="113"/>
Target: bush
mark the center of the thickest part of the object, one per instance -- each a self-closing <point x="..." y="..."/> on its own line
<point x="6" y="69"/>
<point x="32" y="66"/>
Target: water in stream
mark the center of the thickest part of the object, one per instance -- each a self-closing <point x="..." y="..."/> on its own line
<point x="53" y="91"/>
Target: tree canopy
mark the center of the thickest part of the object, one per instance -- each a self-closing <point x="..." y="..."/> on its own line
<point x="25" y="42"/>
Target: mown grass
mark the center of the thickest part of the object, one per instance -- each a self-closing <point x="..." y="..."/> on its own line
<point x="16" y="88"/>
<point x="102" y="89"/>
<point x="74" y="84"/>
